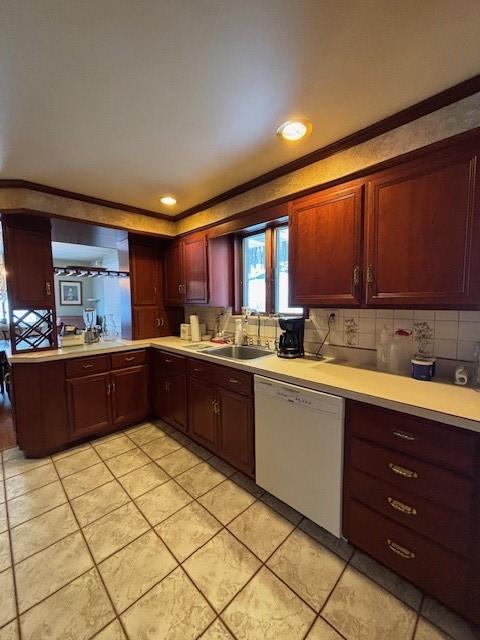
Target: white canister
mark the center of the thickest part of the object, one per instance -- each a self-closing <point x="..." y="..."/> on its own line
<point x="195" y="326"/>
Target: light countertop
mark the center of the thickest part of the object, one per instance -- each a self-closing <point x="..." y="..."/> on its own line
<point x="437" y="400"/>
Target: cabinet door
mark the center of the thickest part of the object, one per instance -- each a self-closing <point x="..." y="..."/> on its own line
<point x="195" y="269"/>
<point x="325" y="248"/>
<point x="149" y="322"/>
<point x="129" y="395"/>
<point x="89" y="405"/>
<point x="236" y="432"/>
<point x="177" y="398"/>
<point x="202" y="417"/>
<point x="28" y="258"/>
<point x="159" y="388"/>
<point x="144" y="274"/>
<point x="423" y="234"/>
<point x="174" y="274"/>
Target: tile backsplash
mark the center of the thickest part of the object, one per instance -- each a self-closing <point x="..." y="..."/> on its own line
<point x="444" y="334"/>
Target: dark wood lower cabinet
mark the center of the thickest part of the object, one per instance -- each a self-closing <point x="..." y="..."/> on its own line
<point x="202" y="416"/>
<point x="89" y="405"/>
<point x="413" y="505"/>
<point x="235" y="429"/>
<point x="170" y="389"/>
<point x="129" y="393"/>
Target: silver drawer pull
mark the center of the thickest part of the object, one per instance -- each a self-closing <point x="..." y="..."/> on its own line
<point x="87" y="366"/>
<point x="404" y="435"/>
<point x="234" y="381"/>
<point x="168" y="361"/>
<point x="197" y="370"/>
<point x="130" y="359"/>
<point x="402" y="471"/>
<point x="400" y="551"/>
<point x="402" y="507"/>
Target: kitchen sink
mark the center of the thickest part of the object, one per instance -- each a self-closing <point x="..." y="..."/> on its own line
<point x="239" y="353"/>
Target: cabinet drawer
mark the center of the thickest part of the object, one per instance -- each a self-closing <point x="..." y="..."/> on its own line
<point x="204" y="370"/>
<point x="235" y="380"/>
<point x="431" y="441"/>
<point x="419" y="478"/>
<point x="128" y="359"/>
<point x="441" y="525"/>
<point x="412" y="556"/>
<point x="173" y="361"/>
<point x="86" y="366"/>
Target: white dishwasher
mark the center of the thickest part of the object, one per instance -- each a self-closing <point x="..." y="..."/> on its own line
<point x="299" y="449"/>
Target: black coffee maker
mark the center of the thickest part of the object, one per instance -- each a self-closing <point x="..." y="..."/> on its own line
<point x="290" y="344"/>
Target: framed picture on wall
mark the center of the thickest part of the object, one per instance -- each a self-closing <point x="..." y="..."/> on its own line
<point x="70" y="293"/>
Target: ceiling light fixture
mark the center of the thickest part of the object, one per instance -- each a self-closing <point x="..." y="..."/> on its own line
<point x="168" y="200"/>
<point x="293" y="130"/>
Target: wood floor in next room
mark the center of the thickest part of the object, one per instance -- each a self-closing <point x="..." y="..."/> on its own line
<point x="144" y="535"/>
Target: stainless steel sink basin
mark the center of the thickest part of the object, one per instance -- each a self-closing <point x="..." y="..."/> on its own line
<point x="239" y="353"/>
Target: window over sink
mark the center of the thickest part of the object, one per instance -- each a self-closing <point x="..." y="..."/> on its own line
<point x="265" y="277"/>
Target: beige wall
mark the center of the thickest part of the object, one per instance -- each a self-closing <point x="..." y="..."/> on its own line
<point x="454" y="119"/>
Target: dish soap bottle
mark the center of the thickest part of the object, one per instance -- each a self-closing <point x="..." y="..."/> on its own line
<point x="383" y="350"/>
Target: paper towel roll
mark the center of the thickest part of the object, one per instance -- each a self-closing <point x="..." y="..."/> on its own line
<point x="195" y="324"/>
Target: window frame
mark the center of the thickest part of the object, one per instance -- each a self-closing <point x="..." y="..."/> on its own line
<point x="270" y="230"/>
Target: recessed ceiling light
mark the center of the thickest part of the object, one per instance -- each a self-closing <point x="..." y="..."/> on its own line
<point x="293" y="130"/>
<point x="169" y="200"/>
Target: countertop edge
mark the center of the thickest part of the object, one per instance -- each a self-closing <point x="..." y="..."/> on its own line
<point x="255" y="367"/>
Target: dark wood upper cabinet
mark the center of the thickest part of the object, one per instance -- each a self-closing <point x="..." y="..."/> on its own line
<point x="174" y="274"/>
<point x="195" y="268"/>
<point x="235" y="429"/>
<point x="325" y="248"/>
<point x="144" y="274"/>
<point x="129" y="390"/>
<point x="423" y="233"/>
<point x="28" y="258"/>
<point x="199" y="271"/>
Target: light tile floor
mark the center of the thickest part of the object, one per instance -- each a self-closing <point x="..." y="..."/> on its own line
<point x="144" y="535"/>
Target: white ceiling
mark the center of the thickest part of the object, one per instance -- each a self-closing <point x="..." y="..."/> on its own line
<point x="128" y="100"/>
<point x="79" y="253"/>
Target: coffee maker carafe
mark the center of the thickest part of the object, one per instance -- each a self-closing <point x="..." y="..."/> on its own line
<point x="291" y="341"/>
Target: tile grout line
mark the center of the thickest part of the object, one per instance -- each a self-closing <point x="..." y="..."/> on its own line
<point x="14" y="578"/>
<point x="223" y="526"/>
<point x="94" y="565"/>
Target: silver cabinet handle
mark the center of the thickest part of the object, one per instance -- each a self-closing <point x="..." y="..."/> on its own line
<point x="108" y="389"/>
<point x="402" y="507"/>
<point x="160" y="322"/>
<point x="400" y="550"/>
<point x="402" y="471"/>
<point x="113" y="386"/>
<point x="48" y="288"/>
<point x="370" y="274"/>
<point x="87" y="366"/>
<point x="404" y="435"/>
<point x="234" y="381"/>
<point x="168" y="361"/>
<point x="130" y="358"/>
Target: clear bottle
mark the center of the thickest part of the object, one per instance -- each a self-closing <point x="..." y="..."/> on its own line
<point x="383" y="350"/>
<point x="401" y="353"/>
